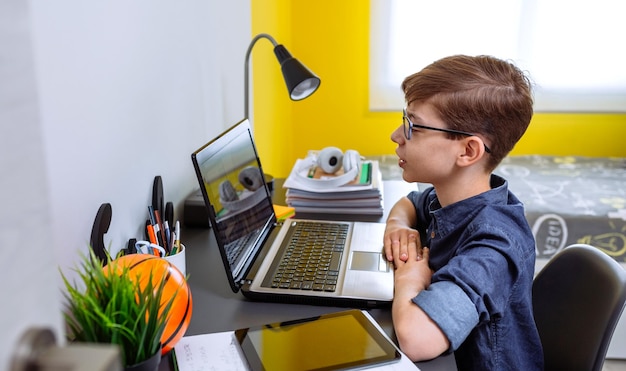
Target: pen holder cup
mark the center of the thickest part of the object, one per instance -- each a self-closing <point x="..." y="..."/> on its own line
<point x="178" y="260"/>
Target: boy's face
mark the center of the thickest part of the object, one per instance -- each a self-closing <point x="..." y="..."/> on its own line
<point x="429" y="156"/>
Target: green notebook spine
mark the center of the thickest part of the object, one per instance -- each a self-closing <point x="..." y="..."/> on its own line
<point x="366" y="173"/>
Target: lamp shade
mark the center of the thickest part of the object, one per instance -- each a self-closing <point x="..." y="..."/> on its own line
<point x="301" y="82"/>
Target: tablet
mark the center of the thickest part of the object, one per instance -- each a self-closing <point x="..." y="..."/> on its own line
<point x="342" y="340"/>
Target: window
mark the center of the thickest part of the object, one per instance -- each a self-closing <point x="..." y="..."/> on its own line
<point x="572" y="49"/>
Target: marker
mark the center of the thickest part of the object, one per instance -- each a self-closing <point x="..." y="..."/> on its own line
<point x="151" y="234"/>
<point x="157" y="234"/>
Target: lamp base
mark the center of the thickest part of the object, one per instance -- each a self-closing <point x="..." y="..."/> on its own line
<point x="195" y="213"/>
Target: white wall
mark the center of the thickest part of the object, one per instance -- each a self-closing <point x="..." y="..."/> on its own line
<point x="97" y="98"/>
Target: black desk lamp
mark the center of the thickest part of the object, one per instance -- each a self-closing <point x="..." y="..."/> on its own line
<point x="300" y="81"/>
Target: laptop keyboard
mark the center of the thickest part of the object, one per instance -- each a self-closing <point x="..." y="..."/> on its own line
<point x="311" y="257"/>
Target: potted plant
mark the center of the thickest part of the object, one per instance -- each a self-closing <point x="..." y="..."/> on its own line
<point x="120" y="305"/>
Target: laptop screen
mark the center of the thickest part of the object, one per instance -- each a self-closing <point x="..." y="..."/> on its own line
<point x="239" y="203"/>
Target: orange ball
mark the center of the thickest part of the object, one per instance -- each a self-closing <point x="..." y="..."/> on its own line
<point x="139" y="267"/>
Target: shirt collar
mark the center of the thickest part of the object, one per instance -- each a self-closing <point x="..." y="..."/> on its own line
<point x="450" y="216"/>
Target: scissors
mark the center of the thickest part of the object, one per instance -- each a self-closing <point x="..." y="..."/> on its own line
<point x="145" y="247"/>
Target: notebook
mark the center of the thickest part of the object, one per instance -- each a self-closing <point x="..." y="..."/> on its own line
<point x="351" y="270"/>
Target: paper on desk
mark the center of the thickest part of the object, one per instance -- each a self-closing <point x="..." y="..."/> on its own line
<point x="209" y="352"/>
<point x="220" y="352"/>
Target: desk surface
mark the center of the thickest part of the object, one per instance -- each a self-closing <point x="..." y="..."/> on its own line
<point x="216" y="308"/>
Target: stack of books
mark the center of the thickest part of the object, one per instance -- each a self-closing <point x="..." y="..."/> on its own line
<point x="310" y="190"/>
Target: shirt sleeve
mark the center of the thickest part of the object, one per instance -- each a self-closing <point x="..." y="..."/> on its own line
<point x="421" y="202"/>
<point x="450" y="308"/>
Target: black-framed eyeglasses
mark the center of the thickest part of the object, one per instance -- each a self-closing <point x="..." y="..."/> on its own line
<point x="409" y="127"/>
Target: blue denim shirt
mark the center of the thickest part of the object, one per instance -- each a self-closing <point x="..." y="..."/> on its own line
<point x="482" y="252"/>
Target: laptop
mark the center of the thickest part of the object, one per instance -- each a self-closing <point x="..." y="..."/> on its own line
<point x="330" y="262"/>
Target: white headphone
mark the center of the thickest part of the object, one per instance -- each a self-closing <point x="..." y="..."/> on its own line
<point x="330" y="160"/>
<point x="252" y="180"/>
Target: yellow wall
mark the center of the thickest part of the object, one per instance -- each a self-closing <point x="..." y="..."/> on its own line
<point x="332" y="38"/>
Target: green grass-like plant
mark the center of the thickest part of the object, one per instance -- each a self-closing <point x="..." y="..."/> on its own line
<point x="114" y="309"/>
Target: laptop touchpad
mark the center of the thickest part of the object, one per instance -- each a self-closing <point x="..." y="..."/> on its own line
<point x="369" y="261"/>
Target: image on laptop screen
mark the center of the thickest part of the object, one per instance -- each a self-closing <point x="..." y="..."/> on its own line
<point x="238" y="195"/>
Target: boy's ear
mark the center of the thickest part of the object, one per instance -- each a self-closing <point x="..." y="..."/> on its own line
<point x="474" y="150"/>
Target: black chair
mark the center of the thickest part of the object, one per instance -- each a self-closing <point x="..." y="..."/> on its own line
<point x="578" y="298"/>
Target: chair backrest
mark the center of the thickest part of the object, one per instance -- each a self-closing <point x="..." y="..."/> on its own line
<point x="578" y="298"/>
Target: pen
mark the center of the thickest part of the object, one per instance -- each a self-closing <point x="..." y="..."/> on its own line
<point x="168" y="236"/>
<point x="161" y="232"/>
<point x="151" y="215"/>
<point x="177" y="236"/>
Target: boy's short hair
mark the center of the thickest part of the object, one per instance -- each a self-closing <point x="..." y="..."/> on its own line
<point x="482" y="95"/>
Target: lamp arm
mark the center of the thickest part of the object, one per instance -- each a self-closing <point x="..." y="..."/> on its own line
<point x="247" y="69"/>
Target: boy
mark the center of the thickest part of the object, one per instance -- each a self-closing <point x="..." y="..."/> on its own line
<point x="463" y="251"/>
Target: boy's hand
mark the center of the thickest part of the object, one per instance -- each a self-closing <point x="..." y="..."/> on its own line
<point x="414" y="275"/>
<point x="396" y="243"/>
